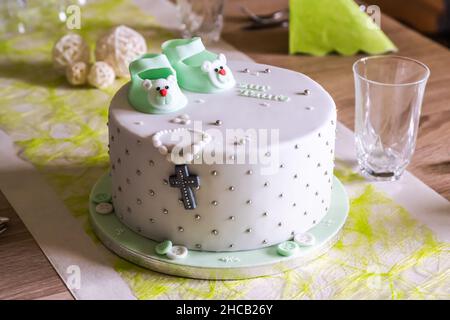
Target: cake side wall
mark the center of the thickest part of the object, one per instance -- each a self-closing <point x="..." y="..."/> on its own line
<point x="259" y="210"/>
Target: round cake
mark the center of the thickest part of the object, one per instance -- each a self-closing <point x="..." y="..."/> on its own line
<point x="259" y="171"/>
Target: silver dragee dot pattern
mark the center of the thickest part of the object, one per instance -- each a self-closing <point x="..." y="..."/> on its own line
<point x="151" y="169"/>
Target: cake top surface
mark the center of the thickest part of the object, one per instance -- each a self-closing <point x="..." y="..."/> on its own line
<point x="300" y="116"/>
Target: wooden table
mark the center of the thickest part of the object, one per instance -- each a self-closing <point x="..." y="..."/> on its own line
<point x="25" y="273"/>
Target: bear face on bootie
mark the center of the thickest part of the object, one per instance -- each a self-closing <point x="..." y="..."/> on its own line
<point x="163" y="94"/>
<point x="218" y="73"/>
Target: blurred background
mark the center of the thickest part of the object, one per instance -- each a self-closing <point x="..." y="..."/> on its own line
<point x="430" y="17"/>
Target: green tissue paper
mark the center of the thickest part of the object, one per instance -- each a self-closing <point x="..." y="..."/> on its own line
<point x="318" y="27"/>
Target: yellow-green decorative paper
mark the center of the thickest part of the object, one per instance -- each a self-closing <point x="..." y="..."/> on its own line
<point x="318" y="27"/>
<point x="61" y="130"/>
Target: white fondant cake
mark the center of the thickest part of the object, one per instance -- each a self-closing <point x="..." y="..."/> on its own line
<point x="238" y="206"/>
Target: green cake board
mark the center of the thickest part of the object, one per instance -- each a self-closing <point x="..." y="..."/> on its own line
<point x="216" y="265"/>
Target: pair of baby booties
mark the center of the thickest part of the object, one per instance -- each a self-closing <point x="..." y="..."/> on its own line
<point x="156" y="78"/>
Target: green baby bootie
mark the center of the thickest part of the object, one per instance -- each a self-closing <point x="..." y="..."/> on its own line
<point x="198" y="69"/>
<point x="154" y="87"/>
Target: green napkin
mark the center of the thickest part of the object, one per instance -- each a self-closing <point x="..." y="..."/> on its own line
<point x="318" y="27"/>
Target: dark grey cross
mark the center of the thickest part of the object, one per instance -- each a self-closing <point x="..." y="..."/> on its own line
<point x="185" y="182"/>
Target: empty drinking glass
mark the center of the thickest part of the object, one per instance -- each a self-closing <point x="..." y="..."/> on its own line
<point x="388" y="100"/>
<point x="203" y="18"/>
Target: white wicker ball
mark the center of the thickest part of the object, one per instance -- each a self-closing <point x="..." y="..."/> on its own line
<point x="101" y="75"/>
<point x="69" y="49"/>
<point x="77" y="73"/>
<point x="119" y="47"/>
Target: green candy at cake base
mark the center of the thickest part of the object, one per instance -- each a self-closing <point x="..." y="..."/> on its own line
<point x="102" y="197"/>
<point x="198" y="69"/>
<point x="163" y="247"/>
<point x="287" y="248"/>
<point x="319" y="27"/>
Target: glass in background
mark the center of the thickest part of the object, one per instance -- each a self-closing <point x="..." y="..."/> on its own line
<point x="24" y="16"/>
<point x="203" y="18"/>
<point x="388" y="99"/>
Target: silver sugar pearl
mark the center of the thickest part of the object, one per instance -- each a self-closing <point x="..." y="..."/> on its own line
<point x="246" y="70"/>
<point x="231" y="188"/>
<point x="249" y="172"/>
<point x="151" y="163"/>
<point x="152" y="220"/>
<point x="249" y="230"/>
<point x="265" y="214"/>
<point x="232" y="218"/>
<point x="151" y="192"/>
<point x="181" y="229"/>
<point x="280" y="224"/>
<point x="197" y="217"/>
<point x="266" y="184"/>
<point x="267" y="70"/>
<point x="215" y="232"/>
<point x="264" y="241"/>
<point x="214" y="203"/>
<point x="138" y="201"/>
<point x="198" y="246"/>
<point x="218" y="122"/>
<point x="214" y="173"/>
<point x="306" y="92"/>
<point x="249" y="201"/>
<point x="165" y="211"/>
<point x="165" y="181"/>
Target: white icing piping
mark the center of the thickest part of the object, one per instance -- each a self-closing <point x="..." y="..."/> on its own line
<point x="252" y="86"/>
<point x="182" y="119"/>
<point x="261" y="95"/>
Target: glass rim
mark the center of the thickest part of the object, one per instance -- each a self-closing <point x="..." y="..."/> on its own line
<point x="423" y="65"/>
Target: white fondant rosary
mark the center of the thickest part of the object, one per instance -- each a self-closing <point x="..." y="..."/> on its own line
<point x="187" y="156"/>
<point x="263" y="95"/>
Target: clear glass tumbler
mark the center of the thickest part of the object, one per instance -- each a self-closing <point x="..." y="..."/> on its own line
<point x="388" y="100"/>
<point x="202" y="18"/>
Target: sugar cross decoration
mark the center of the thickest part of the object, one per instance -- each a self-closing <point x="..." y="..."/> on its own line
<point x="185" y="183"/>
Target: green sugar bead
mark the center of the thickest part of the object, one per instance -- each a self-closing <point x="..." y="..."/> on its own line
<point x="287" y="248"/>
<point x="163" y="247"/>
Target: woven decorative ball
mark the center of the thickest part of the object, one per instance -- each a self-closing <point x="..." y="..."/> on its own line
<point x="101" y="75"/>
<point x="77" y="73"/>
<point x="119" y="47"/>
<point x="69" y="49"/>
